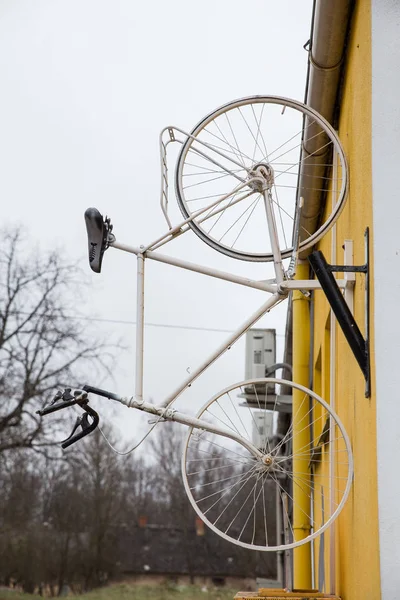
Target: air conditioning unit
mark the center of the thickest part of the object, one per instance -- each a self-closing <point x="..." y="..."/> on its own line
<point x="260" y="355"/>
<point x="260" y="352"/>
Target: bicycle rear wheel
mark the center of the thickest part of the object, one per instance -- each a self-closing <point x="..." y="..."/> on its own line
<point x="227" y="147"/>
<point x="237" y="495"/>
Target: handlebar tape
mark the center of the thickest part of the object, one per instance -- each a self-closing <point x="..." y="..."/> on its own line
<point x="54" y="407"/>
<point x="93" y="390"/>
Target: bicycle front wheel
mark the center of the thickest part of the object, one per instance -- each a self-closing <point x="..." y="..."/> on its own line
<point x="226" y="148"/>
<point x="304" y="473"/>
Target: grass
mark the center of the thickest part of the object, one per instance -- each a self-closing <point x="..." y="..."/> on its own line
<point x="138" y="592"/>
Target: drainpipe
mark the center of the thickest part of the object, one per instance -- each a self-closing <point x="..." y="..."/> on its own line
<point x="326" y="52"/>
<point x="301" y="433"/>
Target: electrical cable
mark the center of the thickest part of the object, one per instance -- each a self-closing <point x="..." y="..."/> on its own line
<point x="136" y="445"/>
<point x="122" y="322"/>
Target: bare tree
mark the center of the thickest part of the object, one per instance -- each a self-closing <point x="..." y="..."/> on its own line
<point x="59" y="519"/>
<point x="39" y="344"/>
<point x="103" y="492"/>
<point x="166" y="449"/>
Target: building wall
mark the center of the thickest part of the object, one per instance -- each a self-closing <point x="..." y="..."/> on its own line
<point x="356" y="535"/>
<point x="386" y="214"/>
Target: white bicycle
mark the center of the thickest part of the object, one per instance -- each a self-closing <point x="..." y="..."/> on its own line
<point x="241" y="185"/>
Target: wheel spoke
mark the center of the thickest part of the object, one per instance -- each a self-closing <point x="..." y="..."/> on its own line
<point x="240" y="156"/>
<point x="199" y="485"/>
<point x="265" y="517"/>
<point x="259" y="132"/>
<point x="223" y="422"/>
<point x="303" y="160"/>
<point x="292" y="148"/>
<point x="251" y="132"/>
<point x="226" y="147"/>
<point x="238" y="219"/>
<point x="240" y="509"/>
<point x="243" y="480"/>
<point x="221" y="214"/>
<point x="234" y="137"/>
<point x="232" y="489"/>
<point x="254" y="205"/>
<point x="186" y="187"/>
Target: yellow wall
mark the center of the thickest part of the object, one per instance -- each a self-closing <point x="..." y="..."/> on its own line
<point x="357" y="547"/>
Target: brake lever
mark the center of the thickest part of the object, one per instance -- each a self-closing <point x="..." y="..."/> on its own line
<point x="82" y="421"/>
<point x="64" y="400"/>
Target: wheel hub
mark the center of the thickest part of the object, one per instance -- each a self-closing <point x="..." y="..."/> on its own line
<point x="267" y="463"/>
<point x="267" y="460"/>
<point x="265" y="172"/>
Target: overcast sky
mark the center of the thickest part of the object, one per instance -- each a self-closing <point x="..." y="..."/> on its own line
<point x="87" y="85"/>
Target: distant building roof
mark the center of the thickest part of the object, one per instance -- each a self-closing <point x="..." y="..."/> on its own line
<point x="165" y="550"/>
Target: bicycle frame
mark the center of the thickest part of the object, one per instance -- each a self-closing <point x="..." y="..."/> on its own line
<point x="280" y="461"/>
<point x="278" y="289"/>
<point x="278" y="292"/>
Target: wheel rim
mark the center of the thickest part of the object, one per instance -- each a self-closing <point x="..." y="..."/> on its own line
<point x="235" y="494"/>
<point x="249" y="132"/>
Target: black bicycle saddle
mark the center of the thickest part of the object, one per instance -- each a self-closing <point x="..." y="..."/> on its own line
<point x="98" y="230"/>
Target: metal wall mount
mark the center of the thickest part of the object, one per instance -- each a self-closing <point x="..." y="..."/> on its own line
<point x="358" y="344"/>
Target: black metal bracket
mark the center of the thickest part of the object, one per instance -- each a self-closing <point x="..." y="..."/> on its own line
<point x="358" y="344"/>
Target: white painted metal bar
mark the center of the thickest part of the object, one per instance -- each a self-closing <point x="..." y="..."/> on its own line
<point x="182" y="264"/>
<point x="222" y="208"/>
<point x="332" y="444"/>
<point x="186" y="227"/>
<point x="164" y="178"/>
<point x="273" y="234"/>
<point x="307" y="284"/>
<point x="175" y="230"/>
<point x="213" y="149"/>
<point x="177" y="262"/>
<point x="126" y="247"/>
<point x="184" y="419"/>
<point x="349" y="277"/>
<point x="332" y="400"/>
<point x="284" y="287"/>
<point x="139" y="327"/>
<point x="279" y="554"/>
<point x="180" y="417"/>
<point x="266" y="307"/>
<point x="291" y="272"/>
<point x="286" y="532"/>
